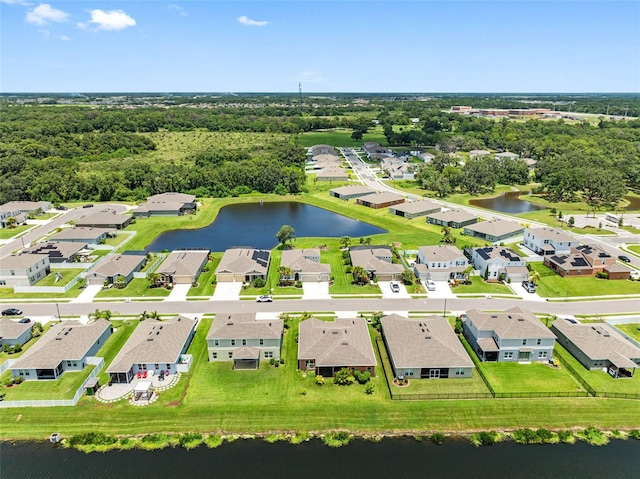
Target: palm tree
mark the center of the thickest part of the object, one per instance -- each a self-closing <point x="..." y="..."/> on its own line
<point x="534" y="277"/>
<point x="345" y="241"/>
<point x="467" y="272"/>
<point x="448" y="236"/>
<point x="286" y="275"/>
<point x="360" y="275"/>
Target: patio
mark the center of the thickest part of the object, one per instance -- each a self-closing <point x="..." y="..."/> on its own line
<point x="118" y="391"/>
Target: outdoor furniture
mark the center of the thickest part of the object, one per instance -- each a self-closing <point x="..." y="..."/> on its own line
<point x="139" y="375"/>
<point x="144" y="375"/>
<point x="166" y="373"/>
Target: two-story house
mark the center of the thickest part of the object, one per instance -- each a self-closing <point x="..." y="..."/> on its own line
<point x="496" y="261"/>
<point x="514" y="335"/>
<point x="245" y="340"/>
<point x="548" y="241"/>
<point x="440" y="263"/>
<point x="24" y="269"/>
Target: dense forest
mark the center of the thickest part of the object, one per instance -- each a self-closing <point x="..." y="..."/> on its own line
<point x="71" y="152"/>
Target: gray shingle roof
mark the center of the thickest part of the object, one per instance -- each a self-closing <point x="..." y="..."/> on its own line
<point x="440" y="253"/>
<point x="68" y="340"/>
<point x="551" y="234"/>
<point x="299" y="260"/>
<point x="81" y="233"/>
<point x="423" y="343"/>
<point x="369" y="259"/>
<point x="343" y="342"/>
<point x="380" y="198"/>
<point x="21" y="261"/>
<point x="154" y="341"/>
<point x="244" y="260"/>
<point x="56" y="249"/>
<point x="10" y="329"/>
<point x="352" y="190"/>
<point x="455" y="215"/>
<point x="416" y="207"/>
<point x="104" y="218"/>
<point x="514" y="323"/>
<point x="118" y="264"/>
<point x="244" y="326"/>
<point x="184" y="263"/>
<point x="497" y="227"/>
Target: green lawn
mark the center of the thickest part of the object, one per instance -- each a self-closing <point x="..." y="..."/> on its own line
<point x="8" y="293"/>
<point x="526" y="378"/>
<point x="478" y="286"/>
<point x="153" y="257"/>
<point x="600" y="381"/>
<point x="68" y="274"/>
<point x="632" y="330"/>
<point x="205" y="288"/>
<point x="137" y="287"/>
<point x="117" y="240"/>
<point x="63" y="388"/>
<point x="8" y="233"/>
<point x="552" y="285"/>
<point x="635" y="248"/>
<point x="121" y="332"/>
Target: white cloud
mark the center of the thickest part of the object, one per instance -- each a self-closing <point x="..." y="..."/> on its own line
<point x="109" y="20"/>
<point x="65" y="38"/>
<point x="246" y="21"/>
<point x="17" y="2"/>
<point x="177" y="8"/>
<point x="44" y="14"/>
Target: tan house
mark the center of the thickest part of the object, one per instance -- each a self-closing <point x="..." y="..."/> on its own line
<point x="306" y="265"/>
<point x="376" y="261"/>
<point x="182" y="267"/>
<point x="23" y="269"/>
<point x="494" y="231"/>
<point x="351" y="191"/>
<point x="243" y="264"/>
<point x="380" y="200"/>
<point x="424" y="348"/>
<point x="116" y="266"/>
<point x="440" y="263"/>
<point x="245" y="340"/>
<point x="455" y="218"/>
<point x="332" y="173"/>
<point x="327" y="347"/>
<point x="167" y="204"/>
<point x="414" y="209"/>
<point x="105" y="219"/>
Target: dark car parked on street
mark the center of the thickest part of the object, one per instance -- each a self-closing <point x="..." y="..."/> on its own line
<point x="11" y="312"/>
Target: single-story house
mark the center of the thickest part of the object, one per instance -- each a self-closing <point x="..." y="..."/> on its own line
<point x="14" y="332"/>
<point x="167" y="204"/>
<point x="105" y="219"/>
<point x="425" y="156"/>
<point x="153" y="346"/>
<point x="58" y="251"/>
<point x="20" y="210"/>
<point x="350" y="191"/>
<point x="306" y="265"/>
<point x="440" y="263"/>
<point x="84" y="235"/>
<point x="598" y="346"/>
<point x="380" y="200"/>
<point x="514" y="335"/>
<point x="493" y="261"/>
<point x="424" y="348"/>
<point x="414" y="209"/>
<point x="455" y="218"/>
<point x="397" y="168"/>
<point x="549" y="241"/>
<point x="332" y="173"/>
<point x="245" y="340"/>
<point x="322" y="150"/>
<point x="586" y="260"/>
<point x="65" y="347"/>
<point x="377" y="262"/>
<point x="243" y="264"/>
<point x="474" y="153"/>
<point x="572" y="264"/>
<point x="326" y="160"/>
<point x="182" y="267"/>
<point x="116" y="266"/>
<point x="375" y="151"/>
<point x="23" y="269"/>
<point x="327" y="347"/>
<point x="494" y="231"/>
<point x="617" y="271"/>
<point x="507" y="155"/>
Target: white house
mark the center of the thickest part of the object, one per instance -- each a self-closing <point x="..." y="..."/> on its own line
<point x="493" y="261"/>
<point x="549" y="241"/>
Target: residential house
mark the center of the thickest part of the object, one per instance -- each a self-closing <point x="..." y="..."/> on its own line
<point x="598" y="346"/>
<point x="14" y="332"/>
<point x="425" y="156"/>
<point x="549" y="241"/>
<point x="414" y="209"/>
<point x="153" y="346"/>
<point x="328" y="346"/>
<point x="116" y="267"/>
<point x="65" y="347"/>
<point x="332" y="174"/>
<point x="167" y="204"/>
<point x="424" y="348"/>
<point x="20" y="210"/>
<point x="494" y="231"/>
<point x="507" y="155"/>
<point x="397" y="168"/>
<point x="305" y="265"/>
<point x="58" y="251"/>
<point x="245" y="340"/>
<point x="440" y="263"/>
<point x="322" y="150"/>
<point x="350" y="191"/>
<point x="182" y="267"/>
<point x="514" y="335"/>
<point x="474" y="153"/>
<point x="586" y="260"/>
<point x="243" y="264"/>
<point x="494" y="262"/>
<point x="376" y="261"/>
<point x="376" y="152"/>
<point x="105" y="219"/>
<point x="572" y="264"/>
<point x="455" y="218"/>
<point x="380" y="200"/>
<point x="84" y="235"/>
<point x="23" y="269"/>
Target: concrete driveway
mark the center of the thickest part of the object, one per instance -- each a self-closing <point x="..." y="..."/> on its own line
<point x="178" y="292"/>
<point x="385" y="287"/>
<point x="87" y="294"/>
<point x="519" y="290"/>
<point x="315" y="290"/>
<point x="442" y="290"/>
<point x="227" y="291"/>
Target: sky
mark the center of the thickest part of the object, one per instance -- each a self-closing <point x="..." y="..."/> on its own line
<point x="328" y="46"/>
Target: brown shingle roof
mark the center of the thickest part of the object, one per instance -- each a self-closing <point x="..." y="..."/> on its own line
<point x="81" y="233"/>
<point x="379" y="198"/>
<point x="184" y="263"/>
<point x="10" y="329"/>
<point x="497" y="227"/>
<point x="416" y="207"/>
<point x="244" y="260"/>
<point x="455" y="215"/>
<point x="343" y="342"/>
<point x="440" y="253"/>
<point x="514" y="323"/>
<point x="21" y="261"/>
<point x="369" y="259"/>
<point x="118" y="264"/>
<point x="244" y="326"/>
<point x="299" y="260"/>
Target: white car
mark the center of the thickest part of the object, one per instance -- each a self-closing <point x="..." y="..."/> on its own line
<point x="265" y="298"/>
<point x="431" y="286"/>
<point x="395" y="287"/>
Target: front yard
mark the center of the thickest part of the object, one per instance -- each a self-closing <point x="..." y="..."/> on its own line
<point x="479" y="286"/>
<point x="552" y="285"/>
<point x="137" y="287"/>
<point x="8" y="233"/>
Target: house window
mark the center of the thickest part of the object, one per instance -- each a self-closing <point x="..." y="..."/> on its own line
<point x="216" y="342"/>
<point x="69" y="363"/>
<point x="214" y="355"/>
<point x="3" y="282"/>
<point x="542" y="354"/>
<point x="508" y="355"/>
<point x="142" y="366"/>
<point x="262" y="342"/>
<point x="233" y="342"/>
<point x="539" y="341"/>
<point x="268" y="354"/>
<point x="459" y="372"/>
<point x="156" y="366"/>
<point x="230" y="355"/>
<point x="408" y="372"/>
<point x="524" y="342"/>
<point x="244" y="342"/>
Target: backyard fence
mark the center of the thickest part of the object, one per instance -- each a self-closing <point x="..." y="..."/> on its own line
<point x="565" y="363"/>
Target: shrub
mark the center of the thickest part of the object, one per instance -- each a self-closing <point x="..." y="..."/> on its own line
<point x="190" y="440"/>
<point x="258" y="283"/>
<point x="484" y="438"/>
<point x="281" y="360"/>
<point x="337" y="439"/>
<point x="458" y="325"/>
<point x="17" y="348"/>
<point x="320" y="380"/>
<point x="303" y="392"/>
<point x="348" y="269"/>
<point x="8" y="382"/>
<point x="272" y="361"/>
<point x="566" y="436"/>
<point x="6" y="348"/>
<point x="593" y="436"/>
<point x="298" y="284"/>
<point x="362" y="377"/>
<point x="18" y="380"/>
<point x="408" y="277"/>
<point x="602" y="275"/>
<point x="212" y="441"/>
<point x="369" y="388"/>
<point x="343" y="377"/>
<point x="92" y="438"/>
<point x="635" y="434"/>
<point x="437" y="438"/>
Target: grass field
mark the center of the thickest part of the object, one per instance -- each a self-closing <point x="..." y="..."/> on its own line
<point x="63" y="388"/>
<point x="632" y="330"/>
<point x="205" y="288"/>
<point x="67" y="275"/>
<point x="340" y="137"/>
<point x="8" y="233"/>
<point x="552" y="285"/>
<point x="137" y="287"/>
<point x="117" y="240"/>
<point x="478" y="286"/>
<point x="528" y="378"/>
<point x="7" y="293"/>
<point x="635" y="248"/>
<point x="121" y="332"/>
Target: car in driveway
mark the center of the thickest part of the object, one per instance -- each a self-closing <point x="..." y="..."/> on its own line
<point x="11" y="312"/>
<point x="624" y="258"/>
<point x="431" y="286"/>
<point x="395" y="287"/>
<point x="265" y="298"/>
<point x="25" y="320"/>
<point x="529" y="286"/>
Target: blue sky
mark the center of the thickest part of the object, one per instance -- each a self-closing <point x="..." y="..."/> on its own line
<point x="329" y="46"/>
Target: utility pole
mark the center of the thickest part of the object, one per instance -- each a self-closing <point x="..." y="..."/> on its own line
<point x="300" y="98"/>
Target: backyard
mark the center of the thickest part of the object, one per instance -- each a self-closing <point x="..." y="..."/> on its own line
<point x="632" y="330"/>
<point x="66" y="275"/>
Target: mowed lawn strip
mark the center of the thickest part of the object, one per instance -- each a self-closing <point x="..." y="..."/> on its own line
<point x="552" y="285"/>
<point x="137" y="287"/>
<point x="479" y="286"/>
<point x="632" y="330"/>
<point x="63" y="388"/>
